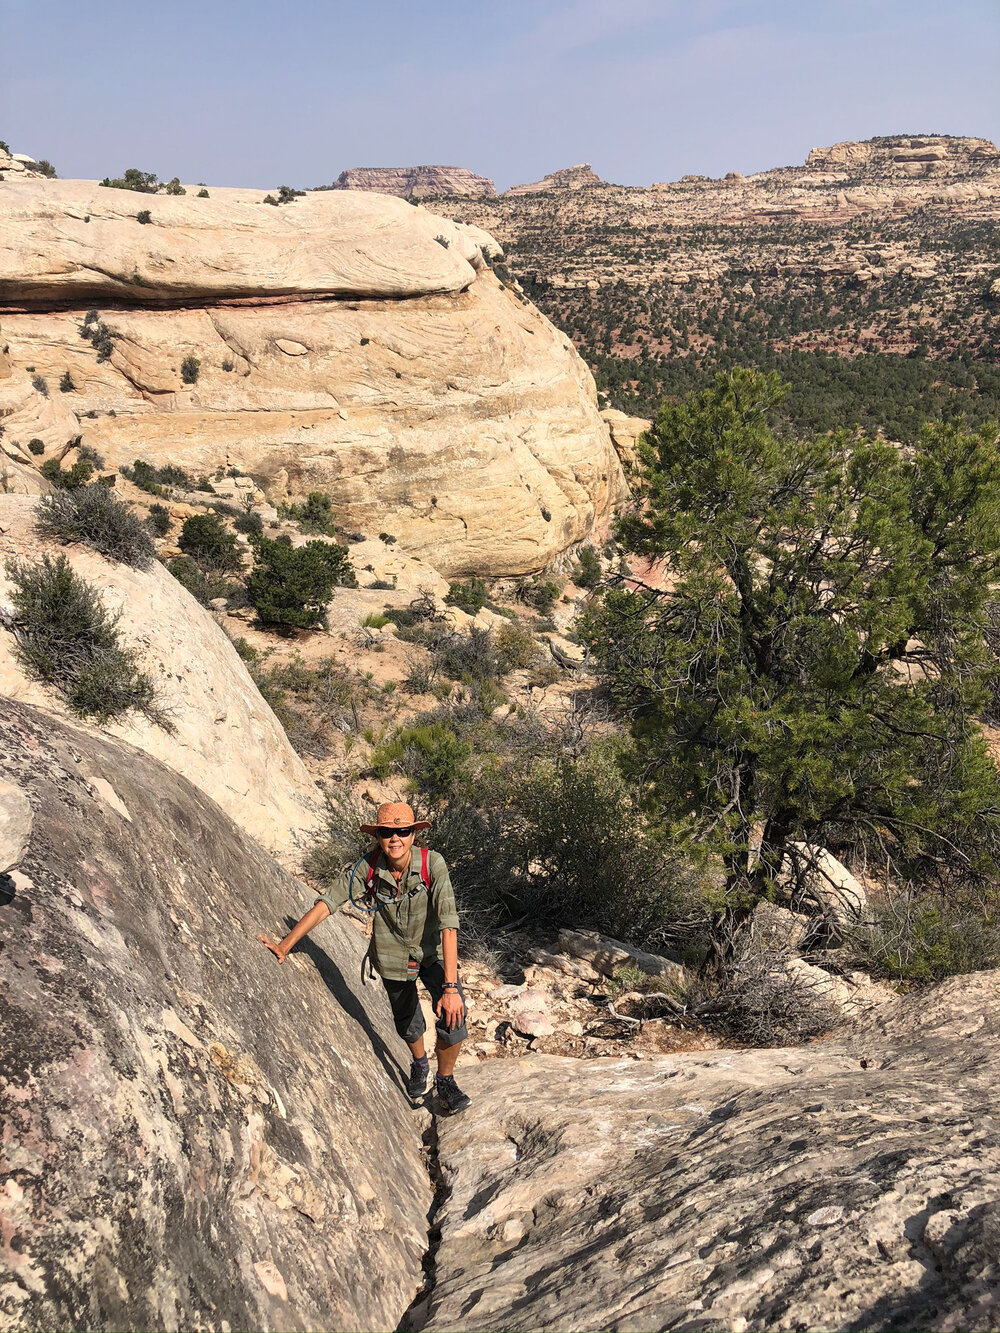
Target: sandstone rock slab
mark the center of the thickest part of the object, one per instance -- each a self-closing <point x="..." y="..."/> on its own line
<point x="347" y="342"/>
<point x="194" y="1136"/>
<point x="225" y="740"/>
<point x="847" y="1185"/>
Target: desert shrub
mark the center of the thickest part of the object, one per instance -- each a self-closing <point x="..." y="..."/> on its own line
<point x="144" y="216"/>
<point x="315" y="514"/>
<point x="374" y="620"/>
<point x="206" y="584"/>
<point x="66" y="384"/>
<point x="77" y="475"/>
<point x="153" y="479"/>
<point x="206" y="540"/>
<point x="66" y="639"/>
<point x="45" y="168"/>
<point x="469" y="596"/>
<point x="431" y="754"/>
<point x="202" y="194"/>
<point x="174" y="186"/>
<point x="418" y="680"/>
<point x="515" y="646"/>
<point x="98" y="334"/>
<point x="759" y="1000"/>
<point x="40" y="385"/>
<point x="471" y="656"/>
<point x="158" y="520"/>
<point x="341" y="842"/>
<point x="925" y="935"/>
<point x="539" y="593"/>
<point x="587" y="570"/>
<point x="36" y="446"/>
<point x="92" y="515"/>
<point x="248" y="522"/>
<point x="190" y="369"/>
<point x="290" y="586"/>
<point x="143" y="182"/>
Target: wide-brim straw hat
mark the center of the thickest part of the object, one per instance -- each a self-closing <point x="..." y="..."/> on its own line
<point x="395" y="814"/>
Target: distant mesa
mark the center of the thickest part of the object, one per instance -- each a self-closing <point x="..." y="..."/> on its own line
<point x="417" y="182"/>
<point x="906" y="155"/>
<point x="569" y="178"/>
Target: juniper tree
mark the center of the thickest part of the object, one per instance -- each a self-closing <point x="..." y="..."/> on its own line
<point x="815" y="670"/>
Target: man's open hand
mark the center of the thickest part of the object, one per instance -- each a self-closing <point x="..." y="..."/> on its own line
<point x="450" y="1006"/>
<point x="279" y="953"/>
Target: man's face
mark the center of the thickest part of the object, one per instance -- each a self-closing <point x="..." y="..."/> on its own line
<point x="394" y="844"/>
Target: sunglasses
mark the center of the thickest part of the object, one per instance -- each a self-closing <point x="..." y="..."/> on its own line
<point x="391" y="832"/>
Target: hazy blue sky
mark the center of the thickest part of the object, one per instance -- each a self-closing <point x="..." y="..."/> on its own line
<point x="253" y="92"/>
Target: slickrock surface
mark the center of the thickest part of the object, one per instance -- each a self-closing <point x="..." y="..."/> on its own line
<point x="842" y="1185"/>
<point x="415" y="182"/>
<point x="226" y="739"/>
<point x="567" y="178"/>
<point x="194" y="1137"/>
<point x="346" y="342"/>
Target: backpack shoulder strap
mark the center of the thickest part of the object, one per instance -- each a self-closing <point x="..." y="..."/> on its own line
<point x="425" y="873"/>
<point x="372" y="860"/>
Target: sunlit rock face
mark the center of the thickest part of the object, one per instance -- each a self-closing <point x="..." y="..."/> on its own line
<point x="345" y="342"/>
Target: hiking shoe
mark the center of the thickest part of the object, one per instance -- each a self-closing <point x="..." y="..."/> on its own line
<point x="416" y="1084"/>
<point x="450" y="1096"/>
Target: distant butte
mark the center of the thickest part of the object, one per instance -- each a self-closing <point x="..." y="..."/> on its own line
<point x="568" y="178"/>
<point x="417" y="182"/>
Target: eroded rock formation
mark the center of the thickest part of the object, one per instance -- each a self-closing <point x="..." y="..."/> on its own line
<point x="415" y="182"/>
<point x="566" y="178"/>
<point x="193" y="1136"/>
<point x="225" y="739"/>
<point x="847" y="1184"/>
<point x="907" y="156"/>
<point x="345" y="342"/>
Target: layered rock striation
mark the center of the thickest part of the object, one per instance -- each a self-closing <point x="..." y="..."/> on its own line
<point x="416" y="182"/>
<point x="222" y="736"/>
<point x="344" y="342"/>
<point x="194" y="1137"/>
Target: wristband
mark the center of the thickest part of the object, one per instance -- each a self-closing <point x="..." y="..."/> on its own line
<point x="451" y="985"/>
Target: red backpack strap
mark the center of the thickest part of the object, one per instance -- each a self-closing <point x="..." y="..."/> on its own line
<point x="425" y="873"/>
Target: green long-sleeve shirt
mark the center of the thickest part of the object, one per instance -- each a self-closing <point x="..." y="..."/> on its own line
<point x="410" y="926"/>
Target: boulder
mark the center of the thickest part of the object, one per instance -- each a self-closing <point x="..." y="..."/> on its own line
<point x="816" y="874"/>
<point x="225" y="738"/>
<point x="194" y="1136"/>
<point x="346" y="342"/>
<point x="607" y="955"/>
<point x="848" y="1184"/>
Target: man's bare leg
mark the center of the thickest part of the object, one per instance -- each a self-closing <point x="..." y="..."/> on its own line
<point x="447" y="1057"/>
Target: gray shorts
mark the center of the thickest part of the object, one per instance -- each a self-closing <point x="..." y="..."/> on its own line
<point x="407" y="1013"/>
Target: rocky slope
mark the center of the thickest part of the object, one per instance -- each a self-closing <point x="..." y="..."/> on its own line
<point x="841" y="1185"/>
<point x="416" y="182"/>
<point x="225" y="739"/>
<point x="193" y="1137"/>
<point x="343" y="342"/>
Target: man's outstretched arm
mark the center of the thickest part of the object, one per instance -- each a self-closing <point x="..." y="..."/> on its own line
<point x="302" y="928"/>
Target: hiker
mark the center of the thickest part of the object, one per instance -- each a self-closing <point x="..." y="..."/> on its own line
<point x="408" y="891"/>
